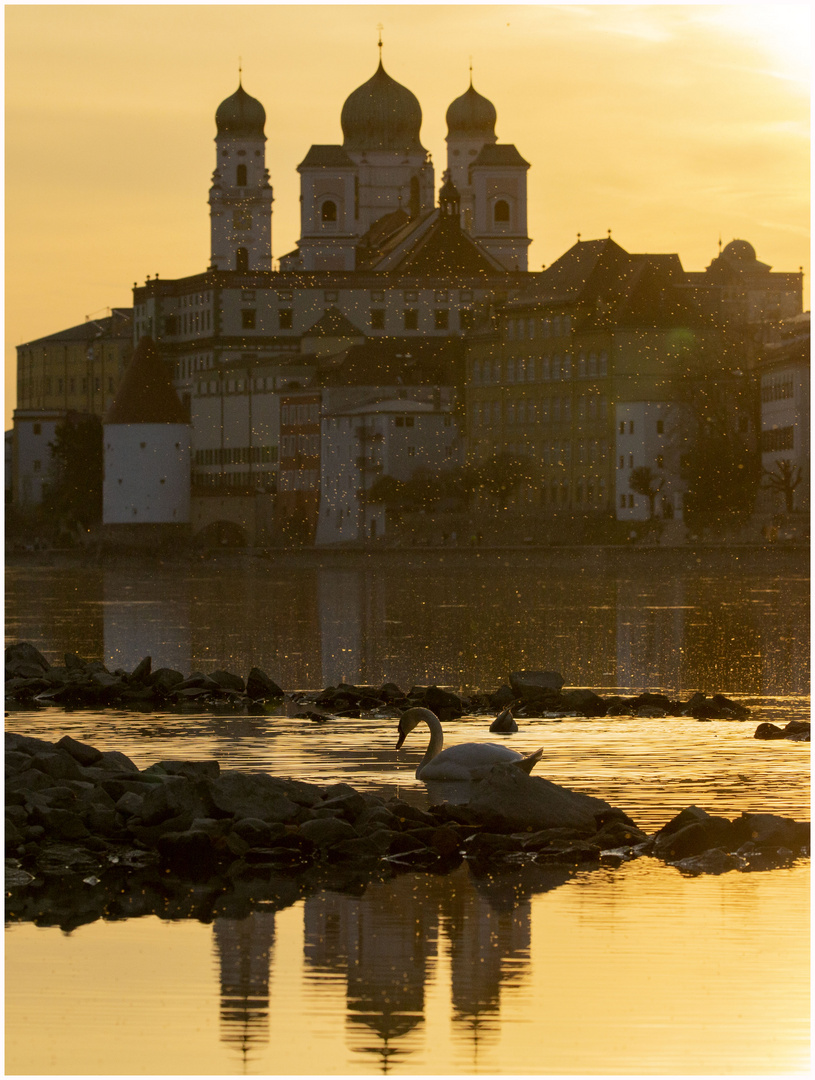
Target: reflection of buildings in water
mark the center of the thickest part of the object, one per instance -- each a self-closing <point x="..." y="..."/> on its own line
<point x="650" y="635"/>
<point x="142" y="617"/>
<point x="383" y="942"/>
<point x="352" y="623"/>
<point x="244" y="949"/>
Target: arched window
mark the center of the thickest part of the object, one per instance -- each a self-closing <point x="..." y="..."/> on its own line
<point x="501" y="211"/>
<point x="328" y="211"/>
<point x="241" y="179"/>
<point x="242" y="260"/>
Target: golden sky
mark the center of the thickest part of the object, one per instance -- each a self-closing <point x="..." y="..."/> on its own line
<point x="671" y="125"/>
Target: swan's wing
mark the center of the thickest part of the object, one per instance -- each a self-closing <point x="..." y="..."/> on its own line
<point x="467" y="761"/>
<point x="529" y="762"/>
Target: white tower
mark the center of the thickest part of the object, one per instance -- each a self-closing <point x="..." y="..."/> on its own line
<point x="240" y="198"/>
<point x="146" y="447"/>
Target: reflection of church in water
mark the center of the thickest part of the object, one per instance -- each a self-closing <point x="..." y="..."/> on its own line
<point x="387" y="944"/>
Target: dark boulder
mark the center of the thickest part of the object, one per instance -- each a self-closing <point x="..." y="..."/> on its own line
<point x="79" y="751"/>
<point x="584" y="701"/>
<point x="534" y="684"/>
<point x="25" y="660"/>
<point x="510" y="799"/>
<point x="445" y="704"/>
<point x="259" y="686"/>
<point x="768" y="731"/>
<point x="711" y="861"/>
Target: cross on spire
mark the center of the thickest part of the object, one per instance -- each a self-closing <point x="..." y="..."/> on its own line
<point x="380" y="28"/>
<point x="240" y="71"/>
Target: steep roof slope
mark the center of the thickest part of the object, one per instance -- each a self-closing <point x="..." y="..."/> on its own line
<point x="146" y="394"/>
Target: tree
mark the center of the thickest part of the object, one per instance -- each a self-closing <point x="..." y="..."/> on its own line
<point x="501" y="475"/>
<point x="784" y="478"/>
<point x="644" y="481"/>
<point x="73" y="495"/>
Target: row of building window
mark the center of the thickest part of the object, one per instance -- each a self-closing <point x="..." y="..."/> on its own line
<point x="777" y="439"/>
<point x="290" y="445"/>
<point x="778" y="389"/>
<point x="524" y="329"/>
<point x="216" y="481"/>
<point x="236" y="455"/>
<point x="50" y="386"/>
<point x="300" y="413"/>
<point x="554" y="410"/>
<point x="555" y="368"/>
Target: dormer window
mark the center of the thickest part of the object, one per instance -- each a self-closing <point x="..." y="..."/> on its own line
<point x="328" y="211"/>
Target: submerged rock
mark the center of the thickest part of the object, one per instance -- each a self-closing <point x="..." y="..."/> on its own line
<point x="509" y="798"/>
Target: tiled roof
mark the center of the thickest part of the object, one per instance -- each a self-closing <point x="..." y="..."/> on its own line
<point x="499" y="154"/>
<point x="146" y="394"/>
<point x="118" y="325"/>
<point x="326" y="156"/>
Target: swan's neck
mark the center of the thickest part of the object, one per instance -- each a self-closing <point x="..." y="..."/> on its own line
<point x="436" y="742"/>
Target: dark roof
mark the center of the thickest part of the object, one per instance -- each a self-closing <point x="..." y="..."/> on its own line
<point x="396" y="362"/>
<point x="382" y="115"/>
<point x="499" y="154"/>
<point x="567" y="276"/>
<point x="332" y="323"/>
<point x="119" y="324"/>
<point x="326" y="156"/>
<point x="386" y="234"/>
<point x="446" y="249"/>
<point x="146" y="394"/>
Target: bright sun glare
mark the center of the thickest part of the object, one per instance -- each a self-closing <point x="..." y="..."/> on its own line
<point x="782" y="31"/>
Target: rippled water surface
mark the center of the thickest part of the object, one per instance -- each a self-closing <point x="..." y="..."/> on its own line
<point x="537" y="970"/>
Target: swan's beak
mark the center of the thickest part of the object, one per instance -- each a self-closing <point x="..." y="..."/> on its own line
<point x="402" y="737"/>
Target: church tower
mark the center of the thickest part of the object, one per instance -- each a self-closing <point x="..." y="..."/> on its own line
<point x="490" y="178"/>
<point x="240" y="198"/>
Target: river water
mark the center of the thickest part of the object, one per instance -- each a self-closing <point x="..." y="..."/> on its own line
<point x="633" y="970"/>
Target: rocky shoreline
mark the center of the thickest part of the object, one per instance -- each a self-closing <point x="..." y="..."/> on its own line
<point x="32" y="682"/>
<point x="89" y="835"/>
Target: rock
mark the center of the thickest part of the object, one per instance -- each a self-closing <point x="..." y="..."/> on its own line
<point x="165" y="680"/>
<point x="502" y="697"/>
<point x="227" y="681"/>
<point x="446" y="705"/>
<point x="193" y="770"/>
<point x="691" y="832"/>
<point x="531" y="684"/>
<point x="259" y="686"/>
<point x="712" y="861"/>
<point x="23" y="658"/>
<point x="572" y="855"/>
<point x="253" y="795"/>
<point x="584" y="701"/>
<point x="649" y="700"/>
<point x="58" y="764"/>
<point x="768" y="731"/>
<point x="61" y="823"/>
<point x="798" y="730"/>
<point x="513" y="800"/>
<point x="340" y="799"/>
<point x="488" y="845"/>
<point x="116" y="761"/>
<point x="80" y="752"/>
<point x="771" y="830"/>
<point x="325" y="832"/>
<point x="129" y="804"/>
<point x="141" y="672"/>
<point x="257" y="833"/>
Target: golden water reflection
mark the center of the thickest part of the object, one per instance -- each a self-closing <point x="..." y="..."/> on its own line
<point x="633" y="970"/>
<point x="733" y="621"/>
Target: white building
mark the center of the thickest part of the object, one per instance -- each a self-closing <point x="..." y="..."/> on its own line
<point x="648" y="436"/>
<point x="785" y="415"/>
<point x="34" y="430"/>
<point x="146" y="448"/>
<point x="393" y="436"/>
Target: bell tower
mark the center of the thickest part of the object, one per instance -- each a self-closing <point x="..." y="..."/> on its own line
<point x="240" y="199"/>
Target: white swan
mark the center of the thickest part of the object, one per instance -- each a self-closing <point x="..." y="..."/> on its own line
<point x="467" y="761"/>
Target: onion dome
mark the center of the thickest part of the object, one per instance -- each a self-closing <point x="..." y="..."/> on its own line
<point x="740" y="251"/>
<point x="240" y="115"/>
<point x="471" y="115"/>
<point x="382" y="115"/>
